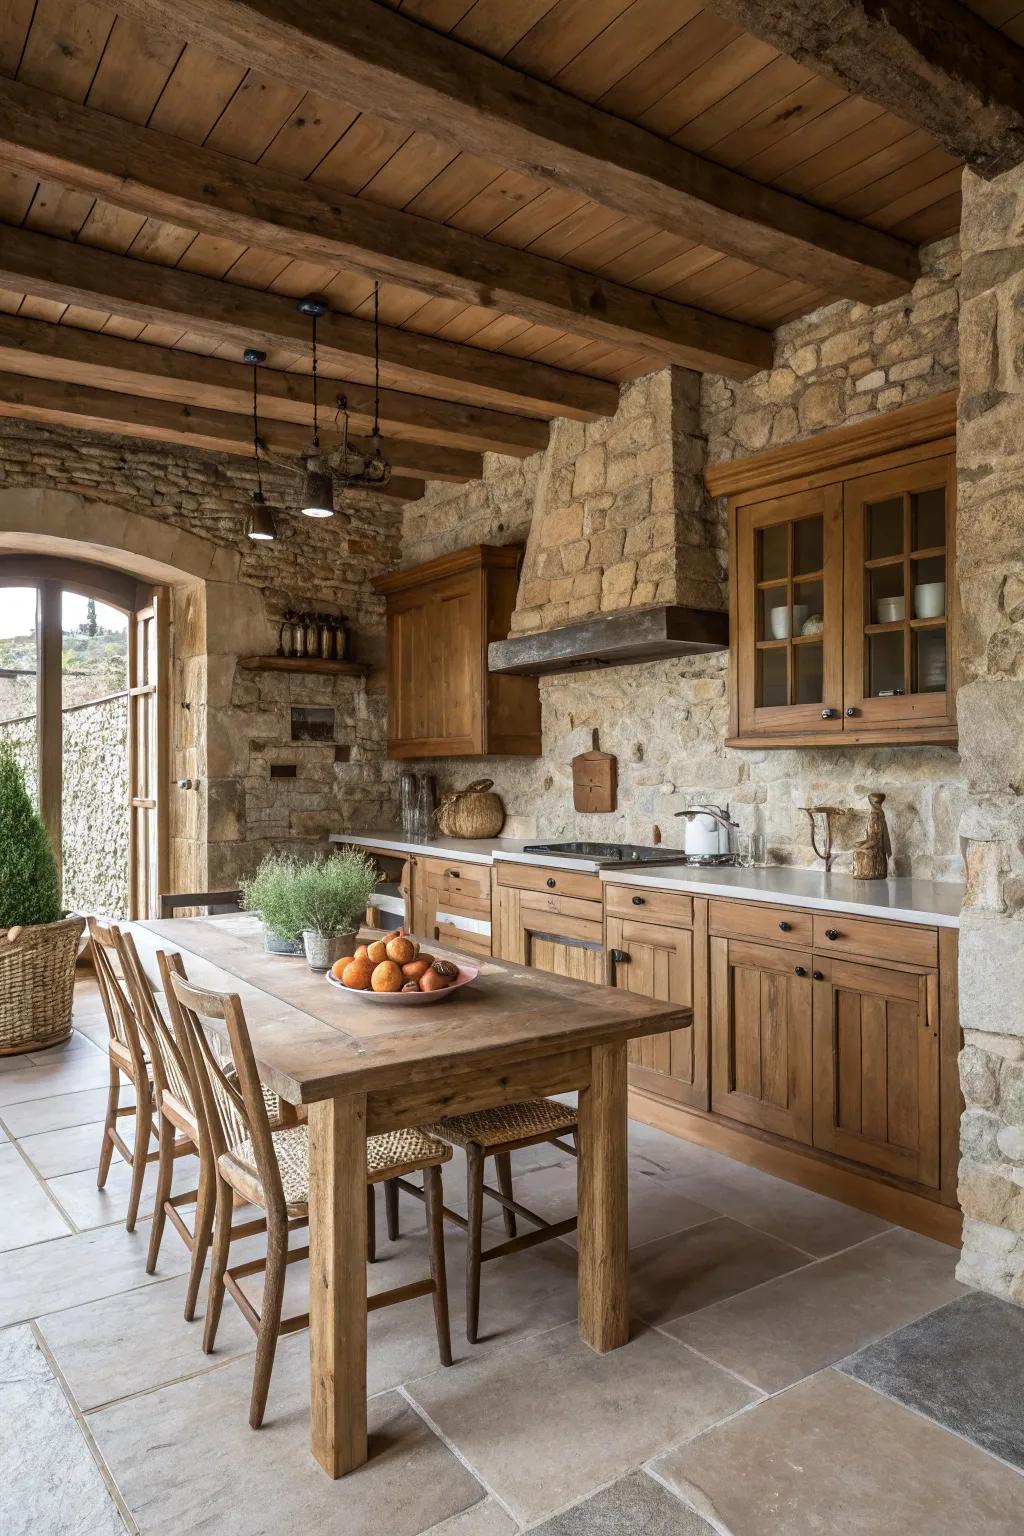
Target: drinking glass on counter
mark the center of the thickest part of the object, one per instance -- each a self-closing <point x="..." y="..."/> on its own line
<point x="751" y="850"/>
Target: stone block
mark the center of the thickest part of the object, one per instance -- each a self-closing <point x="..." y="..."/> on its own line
<point x="821" y="406"/>
<point x="589" y="474"/>
<point x="606" y="548"/>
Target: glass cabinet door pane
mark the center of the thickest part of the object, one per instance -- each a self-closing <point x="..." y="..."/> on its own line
<point x="772" y="687"/>
<point x="808" y="546"/>
<point x="928" y="519"/>
<point x="885" y="665"/>
<point x="930" y="660"/>
<point x="884" y="528"/>
<point x="772" y="553"/>
<point x="887" y="598"/>
<point x="775" y="614"/>
<point x="808" y="674"/>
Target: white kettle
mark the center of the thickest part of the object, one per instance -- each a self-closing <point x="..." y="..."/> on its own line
<point x="707" y="831"/>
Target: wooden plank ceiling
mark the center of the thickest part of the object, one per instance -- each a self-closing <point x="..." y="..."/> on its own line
<point x="170" y="304"/>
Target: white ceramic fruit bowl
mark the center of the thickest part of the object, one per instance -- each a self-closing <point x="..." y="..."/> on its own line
<point x="467" y="973"/>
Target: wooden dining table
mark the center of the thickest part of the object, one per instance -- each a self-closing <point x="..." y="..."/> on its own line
<point x="363" y="1067"/>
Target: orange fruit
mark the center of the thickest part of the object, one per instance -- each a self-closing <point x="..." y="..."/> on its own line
<point x="377" y="951"/>
<point x="339" y="966"/>
<point x="430" y="981"/>
<point x="401" y="950"/>
<point x="357" y="974"/>
<point x="360" y="953"/>
<point x="414" y="969"/>
<point x="387" y="977"/>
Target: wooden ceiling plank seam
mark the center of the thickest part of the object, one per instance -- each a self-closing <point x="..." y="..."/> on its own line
<point x="847" y="117"/>
<point x="862" y="173"/>
<point x="57" y="269"/>
<point x="779" y="122"/>
<point x="623" y="44"/>
<point x="562" y="35"/>
<point x="762" y="91"/>
<point x="307" y="136"/>
<point x="496" y="27"/>
<point x="725" y="71"/>
<point x="941" y="219"/>
<point x="363" y="52"/>
<point x="64" y="46"/>
<point x="934" y="162"/>
<point x="454" y="187"/>
<point x="662" y="71"/>
<point x="15" y="24"/>
<point x="136" y="64"/>
<point x="917" y="199"/>
<point x="150" y="172"/>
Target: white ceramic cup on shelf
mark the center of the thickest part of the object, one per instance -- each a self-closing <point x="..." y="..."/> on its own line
<point x="779" y="621"/>
<point x="891" y="610"/>
<point x="930" y="600"/>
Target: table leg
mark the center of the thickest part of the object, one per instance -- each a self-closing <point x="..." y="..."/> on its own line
<point x="337" y="1283"/>
<point x="603" y="1237"/>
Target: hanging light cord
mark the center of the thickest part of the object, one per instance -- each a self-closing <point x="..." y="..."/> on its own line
<point x="376" y="359"/>
<point x="316" y="427"/>
<point x="256" y="433"/>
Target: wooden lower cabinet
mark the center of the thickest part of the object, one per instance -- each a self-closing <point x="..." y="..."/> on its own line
<point x="561" y="934"/>
<point x="451" y="903"/>
<point x="761" y="1037"/>
<point x="876" y="1067"/>
<point x="656" y="960"/>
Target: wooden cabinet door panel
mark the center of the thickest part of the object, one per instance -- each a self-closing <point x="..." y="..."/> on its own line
<point x="761" y="1036"/>
<point x="656" y="961"/>
<point x="565" y="945"/>
<point x="876" y="1068"/>
<point x="435" y="639"/>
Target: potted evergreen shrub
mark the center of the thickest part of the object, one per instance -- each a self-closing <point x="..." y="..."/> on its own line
<point x="330" y="896"/>
<point x="38" y="945"/>
<point x="270" y="894"/>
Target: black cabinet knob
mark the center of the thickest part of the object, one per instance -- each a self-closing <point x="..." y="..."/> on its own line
<point x="550" y="884"/>
<point x="785" y="927"/>
<point x="850" y="712"/>
<point x="619" y="956"/>
<point x="800" y="970"/>
<point x="639" y="901"/>
<point x="829" y="714"/>
<point x="818" y="975"/>
<point x="831" y="933"/>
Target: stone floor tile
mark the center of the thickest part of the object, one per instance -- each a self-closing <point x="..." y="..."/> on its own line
<point x="547" y="1421"/>
<point x="808" y="1319"/>
<point x="71" y="1150"/>
<point x="704" y="1264"/>
<point x="32" y="1116"/>
<point x="176" y="1456"/>
<point x="79" y="1044"/>
<point x="49" y="1479"/>
<point x="70" y="1075"/>
<point x="962" y="1366"/>
<point x="634" y="1506"/>
<point x="138" y="1341"/>
<point x="27" y="1214"/>
<point x="88" y="1206"/>
<point x="485" y="1519"/>
<point x="68" y="1271"/>
<point x="830" y="1457"/>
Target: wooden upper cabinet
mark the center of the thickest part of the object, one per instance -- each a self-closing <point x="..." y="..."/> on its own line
<point x="442" y="701"/>
<point x="843" y="608"/>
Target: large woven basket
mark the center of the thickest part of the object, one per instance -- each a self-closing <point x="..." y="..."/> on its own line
<point x="471" y="812"/>
<point x="37" y="983"/>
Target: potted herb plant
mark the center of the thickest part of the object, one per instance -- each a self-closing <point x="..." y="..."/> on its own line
<point x="38" y="944"/>
<point x="270" y="894"/>
<point x="330" y="896"/>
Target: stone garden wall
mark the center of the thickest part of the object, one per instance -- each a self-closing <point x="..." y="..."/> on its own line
<point x="615" y="513"/>
<point x="94" y="820"/>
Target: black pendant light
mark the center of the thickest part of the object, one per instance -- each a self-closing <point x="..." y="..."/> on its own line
<point x="259" y="525"/>
<point x="317" y="498"/>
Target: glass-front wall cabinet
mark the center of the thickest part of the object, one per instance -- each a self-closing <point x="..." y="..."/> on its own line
<point x="842" y="608"/>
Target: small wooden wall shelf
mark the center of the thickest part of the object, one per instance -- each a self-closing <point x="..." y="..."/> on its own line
<point x="303" y="664"/>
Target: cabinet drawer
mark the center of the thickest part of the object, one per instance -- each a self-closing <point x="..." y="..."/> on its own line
<point x="901" y="942"/>
<point x="564" y="882"/>
<point x="747" y="920"/>
<point x="450" y="878"/>
<point x="652" y="906"/>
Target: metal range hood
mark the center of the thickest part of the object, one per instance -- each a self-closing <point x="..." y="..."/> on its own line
<point x="612" y="640"/>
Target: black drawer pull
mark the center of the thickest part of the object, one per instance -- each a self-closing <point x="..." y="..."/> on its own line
<point x="638" y="901"/>
<point x="818" y="975"/>
<point x="850" y="712"/>
<point x="799" y="970"/>
<point x="831" y="933"/>
<point x="785" y="927"/>
<point x="619" y="956"/>
<point x="550" y="884"/>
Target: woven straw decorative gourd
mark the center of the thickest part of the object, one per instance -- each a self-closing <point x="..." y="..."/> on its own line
<point x="37" y="983"/>
<point x="471" y="812"/>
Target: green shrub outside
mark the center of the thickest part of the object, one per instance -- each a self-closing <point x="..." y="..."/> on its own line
<point x="29" y="884"/>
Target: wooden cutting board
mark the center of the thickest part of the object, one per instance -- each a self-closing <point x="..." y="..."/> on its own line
<point x="594" y="781"/>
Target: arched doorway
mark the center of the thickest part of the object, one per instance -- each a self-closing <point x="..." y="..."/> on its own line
<point x="83" y="649"/>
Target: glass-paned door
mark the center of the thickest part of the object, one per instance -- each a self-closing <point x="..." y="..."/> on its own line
<point x="19" y="678"/>
<point x="898" y="646"/>
<point x="788" y="610"/>
<point x="147" y="766"/>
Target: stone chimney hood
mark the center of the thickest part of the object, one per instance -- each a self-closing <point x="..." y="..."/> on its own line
<point x="616" y="639"/>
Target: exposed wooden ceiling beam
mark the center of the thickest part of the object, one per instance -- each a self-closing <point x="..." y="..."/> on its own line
<point x="933" y="62"/>
<point x="69" y="273"/>
<point x="110" y="362"/>
<point x="384" y="63"/>
<point x="103" y="410"/>
<point x="166" y="178"/>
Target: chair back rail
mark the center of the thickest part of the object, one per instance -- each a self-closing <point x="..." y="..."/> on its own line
<point x="122" y="1020"/>
<point x="172" y="1067"/>
<point x="213" y="901"/>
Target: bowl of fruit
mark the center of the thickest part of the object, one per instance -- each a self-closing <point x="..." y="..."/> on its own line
<point x="394" y="969"/>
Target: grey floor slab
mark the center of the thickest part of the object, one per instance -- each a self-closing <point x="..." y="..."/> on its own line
<point x="69" y="1075"/>
<point x="548" y="1421"/>
<point x="963" y="1366"/>
<point x="27" y="1214"/>
<point x="830" y="1457"/>
<point x="87" y="1206"/>
<point x="634" y="1506"/>
<point x="50" y="1483"/>
<point x="484" y="1519"/>
<point x="808" y="1319"/>
<point x="177" y="1454"/>
<point x="68" y="1271"/>
<point x="73" y="1149"/>
<point x="31" y="1116"/>
<point x="689" y="1270"/>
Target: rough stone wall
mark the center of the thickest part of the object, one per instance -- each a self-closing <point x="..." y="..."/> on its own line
<point x="667" y="721"/>
<point x="94" y="826"/>
<point x="228" y="724"/>
<point x="990" y="553"/>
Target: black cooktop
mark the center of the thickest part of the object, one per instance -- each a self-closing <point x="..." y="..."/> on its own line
<point x="608" y="855"/>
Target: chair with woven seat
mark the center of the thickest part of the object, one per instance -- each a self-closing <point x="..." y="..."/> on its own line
<point x="128" y="1058"/>
<point x="498" y="1133"/>
<point x="214" y="902"/>
<point x="270" y="1168"/>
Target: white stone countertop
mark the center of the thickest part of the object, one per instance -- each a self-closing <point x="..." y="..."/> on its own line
<point x="907" y="901"/>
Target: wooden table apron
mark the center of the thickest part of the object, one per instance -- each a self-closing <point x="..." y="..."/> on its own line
<point x="362" y="1068"/>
